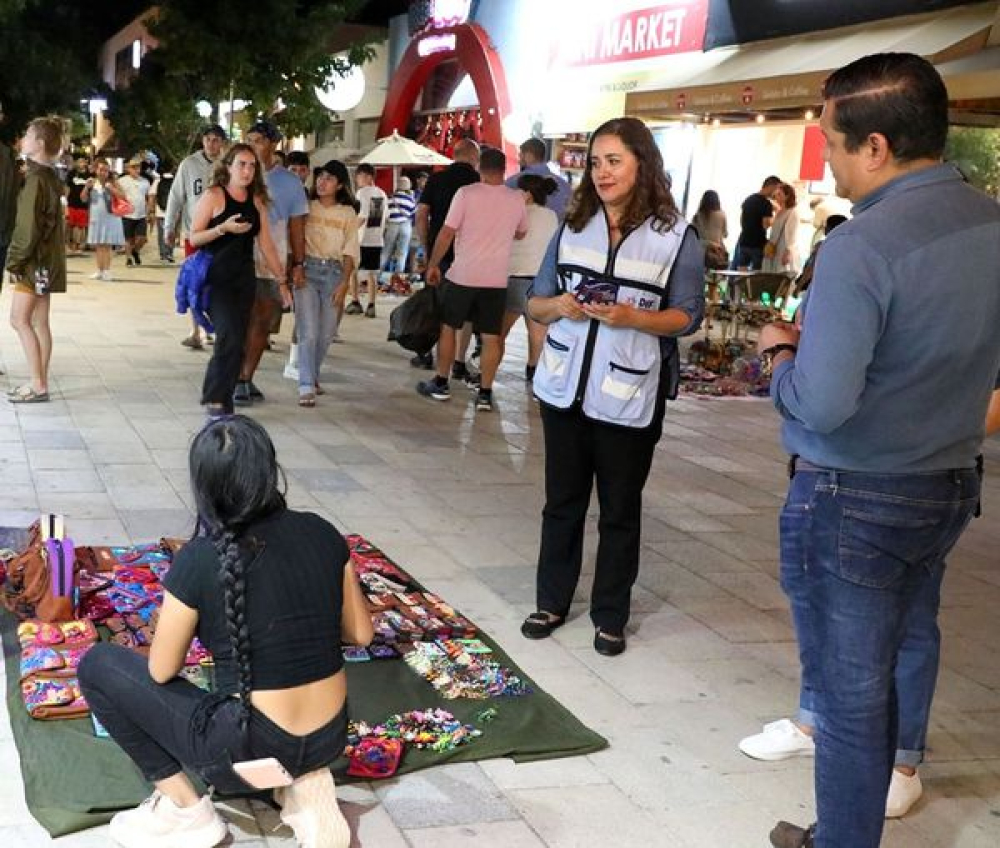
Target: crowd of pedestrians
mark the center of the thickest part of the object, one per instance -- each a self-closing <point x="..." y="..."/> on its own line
<point x="884" y="475"/>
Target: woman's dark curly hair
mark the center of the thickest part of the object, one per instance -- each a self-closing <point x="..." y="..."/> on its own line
<point x="236" y="481"/>
<point x="651" y="195"/>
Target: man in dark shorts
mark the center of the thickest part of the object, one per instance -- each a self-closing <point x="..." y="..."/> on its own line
<point x="483" y="221"/>
<point x="432" y="209"/>
<point x="372" y="218"/>
<point x="77" y="213"/>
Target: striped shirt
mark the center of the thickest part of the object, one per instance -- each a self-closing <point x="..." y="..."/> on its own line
<point x="402" y="205"/>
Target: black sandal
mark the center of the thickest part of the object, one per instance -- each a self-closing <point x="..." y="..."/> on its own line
<point x="539" y="625"/>
<point x="609" y="644"/>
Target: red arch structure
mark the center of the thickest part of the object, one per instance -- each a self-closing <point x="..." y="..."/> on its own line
<point x="477" y="56"/>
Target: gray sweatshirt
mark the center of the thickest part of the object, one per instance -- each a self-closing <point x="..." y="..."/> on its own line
<point x="193" y="177"/>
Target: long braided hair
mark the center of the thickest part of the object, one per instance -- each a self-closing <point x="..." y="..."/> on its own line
<point x="236" y="481"/>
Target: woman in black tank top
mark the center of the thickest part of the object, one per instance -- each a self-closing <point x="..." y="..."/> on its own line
<point x="229" y="217"/>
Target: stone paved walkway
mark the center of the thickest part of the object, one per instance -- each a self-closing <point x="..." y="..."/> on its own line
<point x="455" y="496"/>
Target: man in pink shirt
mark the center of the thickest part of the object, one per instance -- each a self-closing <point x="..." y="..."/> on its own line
<point x="483" y="221"/>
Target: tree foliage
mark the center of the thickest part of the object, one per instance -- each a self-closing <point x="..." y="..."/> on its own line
<point x="46" y="60"/>
<point x="271" y="53"/>
<point x="976" y="150"/>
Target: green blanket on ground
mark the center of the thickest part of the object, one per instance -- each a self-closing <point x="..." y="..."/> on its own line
<point x="74" y="780"/>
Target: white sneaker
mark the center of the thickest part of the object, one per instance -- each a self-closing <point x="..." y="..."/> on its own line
<point x="97" y="275"/>
<point x="779" y="740"/>
<point x="309" y="807"/>
<point x="904" y="791"/>
<point x="106" y="276"/>
<point x="159" y="823"/>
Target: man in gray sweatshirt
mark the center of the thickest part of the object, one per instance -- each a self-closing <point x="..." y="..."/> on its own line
<point x="883" y="393"/>
<point x="192" y="178"/>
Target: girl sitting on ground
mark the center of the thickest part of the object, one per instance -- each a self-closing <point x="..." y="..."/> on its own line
<point x="271" y="594"/>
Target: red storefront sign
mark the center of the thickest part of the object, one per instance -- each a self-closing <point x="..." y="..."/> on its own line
<point x="662" y="30"/>
<point x="812" y="165"/>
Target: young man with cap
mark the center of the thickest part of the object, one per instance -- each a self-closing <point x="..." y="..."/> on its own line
<point x="192" y="178"/>
<point x="136" y="188"/>
<point x="372" y="219"/>
<point x="286" y="209"/>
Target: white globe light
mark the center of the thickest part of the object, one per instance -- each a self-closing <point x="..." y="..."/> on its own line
<point x="204" y="108"/>
<point x="342" y="92"/>
<point x="516" y="127"/>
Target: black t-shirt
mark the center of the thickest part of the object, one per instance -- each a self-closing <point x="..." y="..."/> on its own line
<point x="75" y="181"/>
<point x="294" y="598"/>
<point x="441" y="187"/>
<point x="755" y="209"/>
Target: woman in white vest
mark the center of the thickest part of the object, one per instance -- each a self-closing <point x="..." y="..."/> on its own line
<point x="622" y="279"/>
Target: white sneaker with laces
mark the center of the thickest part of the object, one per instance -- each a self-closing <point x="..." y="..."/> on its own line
<point x="159" y="823"/>
<point x="309" y="807"/>
<point x="779" y="740"/>
<point x="904" y="791"/>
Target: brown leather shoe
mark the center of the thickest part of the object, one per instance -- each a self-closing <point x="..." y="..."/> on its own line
<point x="788" y="835"/>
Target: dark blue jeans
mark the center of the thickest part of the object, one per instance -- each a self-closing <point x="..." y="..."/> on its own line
<point x="862" y="557"/>
<point x="751" y="258"/>
<point x="175" y="725"/>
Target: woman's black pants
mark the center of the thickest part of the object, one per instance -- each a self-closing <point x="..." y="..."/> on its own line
<point x="578" y="451"/>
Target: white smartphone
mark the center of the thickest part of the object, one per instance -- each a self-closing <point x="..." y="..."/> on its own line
<point x="267" y="773"/>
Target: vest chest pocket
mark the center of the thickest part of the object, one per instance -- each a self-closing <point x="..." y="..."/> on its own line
<point x="628" y="394"/>
<point x="553" y="377"/>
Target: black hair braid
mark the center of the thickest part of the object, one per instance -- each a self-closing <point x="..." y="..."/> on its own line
<point x="235" y="585"/>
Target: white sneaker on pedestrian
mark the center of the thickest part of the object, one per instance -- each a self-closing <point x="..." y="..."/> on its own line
<point x="904" y="791"/>
<point x="779" y="740"/>
<point x="159" y="823"/>
<point x="97" y="275"/>
<point x="309" y="807"/>
<point x="106" y="276"/>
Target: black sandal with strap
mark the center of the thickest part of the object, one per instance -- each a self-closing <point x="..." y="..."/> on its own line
<point x="539" y="625"/>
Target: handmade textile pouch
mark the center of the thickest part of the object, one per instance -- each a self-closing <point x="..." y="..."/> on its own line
<point x="49" y="698"/>
<point x="50" y="656"/>
<point x="375" y="757"/>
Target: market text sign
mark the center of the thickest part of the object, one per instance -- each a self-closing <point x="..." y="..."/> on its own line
<point x="662" y="30"/>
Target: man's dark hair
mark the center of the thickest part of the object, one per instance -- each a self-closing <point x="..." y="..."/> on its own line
<point x="492" y="160"/>
<point x="535" y="148"/>
<point x="898" y="95"/>
<point x="297" y="157"/>
<point x="365" y="168"/>
<point x="772" y="182"/>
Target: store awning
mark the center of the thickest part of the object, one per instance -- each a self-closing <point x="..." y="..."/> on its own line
<point x="789" y="72"/>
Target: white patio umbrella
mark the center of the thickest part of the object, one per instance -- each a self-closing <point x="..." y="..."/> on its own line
<point x="397" y="150"/>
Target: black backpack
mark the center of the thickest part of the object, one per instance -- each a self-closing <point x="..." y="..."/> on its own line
<point x="163" y="190"/>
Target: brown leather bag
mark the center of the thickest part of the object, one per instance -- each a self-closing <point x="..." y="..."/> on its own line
<point x="28" y="591"/>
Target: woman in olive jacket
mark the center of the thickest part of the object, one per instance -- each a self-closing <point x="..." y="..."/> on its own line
<point x="37" y="259"/>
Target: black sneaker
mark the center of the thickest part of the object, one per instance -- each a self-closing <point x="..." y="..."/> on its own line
<point x="370" y="311"/>
<point x="354" y="308"/>
<point x="435" y="388"/>
<point x="473" y="381"/>
<point x="253" y="391"/>
<point x="484" y="400"/>
<point x="241" y="397"/>
<point x="128" y="262"/>
<point x="459" y="371"/>
<point x="423" y="360"/>
<point x="135" y="256"/>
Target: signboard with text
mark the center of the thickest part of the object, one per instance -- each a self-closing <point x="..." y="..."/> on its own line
<point x="662" y="29"/>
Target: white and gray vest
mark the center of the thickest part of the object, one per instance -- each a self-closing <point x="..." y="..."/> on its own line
<point x="615" y="374"/>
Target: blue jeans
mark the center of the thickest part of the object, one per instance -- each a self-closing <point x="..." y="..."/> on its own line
<point x="751" y="258"/>
<point x="397" y="246"/>
<point x="862" y="559"/>
<point x="316" y="318"/>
